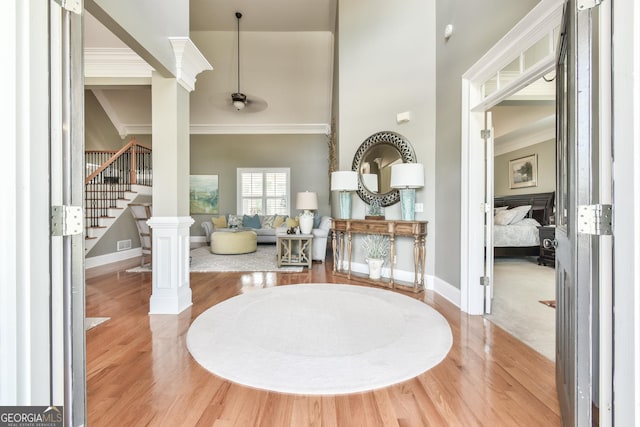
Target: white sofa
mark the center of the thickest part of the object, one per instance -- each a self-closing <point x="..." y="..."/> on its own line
<point x="320" y="236"/>
<point x="268" y="235"/>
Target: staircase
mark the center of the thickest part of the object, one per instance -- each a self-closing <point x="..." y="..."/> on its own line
<point x="115" y="179"/>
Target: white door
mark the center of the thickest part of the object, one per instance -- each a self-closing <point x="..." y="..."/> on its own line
<point x="488" y="223"/>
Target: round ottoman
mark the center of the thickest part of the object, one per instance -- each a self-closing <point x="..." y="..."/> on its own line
<point x="233" y="242"/>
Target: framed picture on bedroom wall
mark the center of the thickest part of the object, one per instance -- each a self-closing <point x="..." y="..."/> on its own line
<point x="203" y="194"/>
<point x="523" y="172"/>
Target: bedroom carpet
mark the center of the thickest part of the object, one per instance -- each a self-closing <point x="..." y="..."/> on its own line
<point x="319" y="339"/>
<point x="519" y="286"/>
<point x="203" y="261"/>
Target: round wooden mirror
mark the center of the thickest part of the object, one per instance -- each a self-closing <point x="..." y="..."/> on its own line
<point x="373" y="162"/>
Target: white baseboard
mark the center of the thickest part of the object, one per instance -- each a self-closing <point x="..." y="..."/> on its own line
<point x="99" y="260"/>
<point x="444" y="289"/>
<point x="198" y="239"/>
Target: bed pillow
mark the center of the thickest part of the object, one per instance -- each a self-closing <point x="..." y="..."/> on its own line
<point x="520" y="213"/>
<point x="505" y="217"/>
<point x="499" y="209"/>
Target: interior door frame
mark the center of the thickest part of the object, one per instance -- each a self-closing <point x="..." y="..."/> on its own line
<point x="534" y="26"/>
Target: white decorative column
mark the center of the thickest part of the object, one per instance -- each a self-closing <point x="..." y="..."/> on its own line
<point x="170" y="221"/>
<point x="171" y="291"/>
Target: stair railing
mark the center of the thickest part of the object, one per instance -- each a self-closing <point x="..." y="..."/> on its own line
<point x="110" y="175"/>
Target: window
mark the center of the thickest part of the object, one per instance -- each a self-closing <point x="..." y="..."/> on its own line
<point x="263" y="191"/>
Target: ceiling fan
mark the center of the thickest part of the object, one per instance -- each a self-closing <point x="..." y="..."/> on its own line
<point x="240" y="101"/>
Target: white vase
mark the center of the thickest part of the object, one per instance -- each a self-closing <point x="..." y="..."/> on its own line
<point x="375" y="268"/>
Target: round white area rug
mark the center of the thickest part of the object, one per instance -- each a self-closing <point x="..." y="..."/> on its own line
<point x="319" y="339"/>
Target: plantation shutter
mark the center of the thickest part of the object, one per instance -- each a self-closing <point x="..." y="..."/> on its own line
<point x="263" y="191"/>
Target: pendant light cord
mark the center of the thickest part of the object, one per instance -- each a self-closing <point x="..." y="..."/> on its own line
<point x="238" y="15"/>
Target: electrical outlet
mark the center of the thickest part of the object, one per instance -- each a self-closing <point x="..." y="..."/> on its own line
<point x="419" y="207"/>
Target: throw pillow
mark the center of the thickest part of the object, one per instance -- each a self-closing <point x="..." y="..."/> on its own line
<point x="219" y="221"/>
<point x="316" y="220"/>
<point x="278" y="220"/>
<point x="251" y="221"/>
<point x="234" y="220"/>
<point x="267" y="221"/>
<point x="292" y="222"/>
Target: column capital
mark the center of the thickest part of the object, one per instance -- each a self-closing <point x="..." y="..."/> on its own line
<point x="189" y="62"/>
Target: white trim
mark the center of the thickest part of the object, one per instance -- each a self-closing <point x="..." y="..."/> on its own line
<point x="114" y="62"/>
<point x="534" y="26"/>
<point x="189" y="62"/>
<point x="198" y="239"/>
<point x="100" y="260"/>
<point x="446" y="290"/>
<point x="535" y="133"/>
<point x="211" y="129"/>
<point x="285" y="128"/>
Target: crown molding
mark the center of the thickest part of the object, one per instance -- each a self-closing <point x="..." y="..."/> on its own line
<point x="115" y="63"/>
<point x="189" y="62"/>
<point x="298" y="128"/>
<point x="146" y="129"/>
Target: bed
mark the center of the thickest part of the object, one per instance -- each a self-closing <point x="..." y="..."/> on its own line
<point x="515" y="230"/>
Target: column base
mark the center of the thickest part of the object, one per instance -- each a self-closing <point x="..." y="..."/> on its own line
<point x="170" y="293"/>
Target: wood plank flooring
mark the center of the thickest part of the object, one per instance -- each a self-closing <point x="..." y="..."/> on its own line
<point x="139" y="371"/>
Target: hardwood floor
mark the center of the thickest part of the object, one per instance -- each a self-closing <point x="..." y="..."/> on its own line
<point x="139" y="371"/>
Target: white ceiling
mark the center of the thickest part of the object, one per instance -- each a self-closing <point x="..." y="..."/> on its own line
<point x="286" y="59"/>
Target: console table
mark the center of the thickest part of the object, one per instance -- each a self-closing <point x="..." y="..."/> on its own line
<point x="343" y="229"/>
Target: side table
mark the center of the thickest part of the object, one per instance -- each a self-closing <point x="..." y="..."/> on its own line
<point x="547" y="255"/>
<point x="294" y="249"/>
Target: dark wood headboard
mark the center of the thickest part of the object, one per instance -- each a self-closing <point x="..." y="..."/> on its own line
<point x="541" y="204"/>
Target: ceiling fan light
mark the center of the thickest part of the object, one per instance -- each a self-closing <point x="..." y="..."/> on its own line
<point x="239" y="100"/>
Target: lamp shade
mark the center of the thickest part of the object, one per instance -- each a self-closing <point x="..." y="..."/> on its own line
<point x="307" y="200"/>
<point x="407" y="175"/>
<point x="344" y="181"/>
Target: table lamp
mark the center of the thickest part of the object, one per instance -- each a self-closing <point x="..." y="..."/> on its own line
<point x="306" y="201"/>
<point x="406" y="177"/>
<point x="345" y="182"/>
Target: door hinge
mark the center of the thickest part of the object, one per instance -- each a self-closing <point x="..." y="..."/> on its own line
<point x="74" y="6"/>
<point x="594" y="219"/>
<point x="66" y="220"/>
<point x="485" y="133"/>
<point x="485" y="281"/>
<point x="587" y="4"/>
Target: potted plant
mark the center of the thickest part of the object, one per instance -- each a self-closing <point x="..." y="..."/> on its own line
<point x="377" y="247"/>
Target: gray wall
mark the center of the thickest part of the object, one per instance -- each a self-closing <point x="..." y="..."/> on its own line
<point x="307" y="156"/>
<point x="477" y="27"/>
<point x="100" y="134"/>
<point x="546" y="152"/>
<point x="387" y="66"/>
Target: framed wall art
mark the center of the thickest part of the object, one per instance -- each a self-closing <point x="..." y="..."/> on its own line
<point x="523" y="172"/>
<point x="203" y="194"/>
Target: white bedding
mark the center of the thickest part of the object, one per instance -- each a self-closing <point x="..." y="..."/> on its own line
<point x="522" y="233"/>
